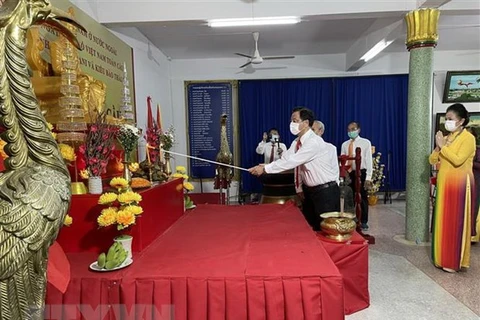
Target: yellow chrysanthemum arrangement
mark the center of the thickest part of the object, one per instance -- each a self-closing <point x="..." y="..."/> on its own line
<point x="68" y="221"/>
<point x="67" y="152"/>
<point x="181" y="172"/>
<point x="123" y="205"/>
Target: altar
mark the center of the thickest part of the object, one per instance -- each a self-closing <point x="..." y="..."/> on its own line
<point x="162" y="205"/>
<point x="215" y="262"/>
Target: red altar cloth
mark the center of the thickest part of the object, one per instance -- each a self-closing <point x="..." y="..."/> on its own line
<point x="351" y="259"/>
<point x="217" y="262"/>
<point x="162" y="206"/>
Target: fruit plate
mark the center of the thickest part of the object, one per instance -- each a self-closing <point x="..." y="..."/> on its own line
<point x="94" y="266"/>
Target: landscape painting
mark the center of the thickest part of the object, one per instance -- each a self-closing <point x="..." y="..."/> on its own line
<point x="473" y="125"/>
<point x="462" y="86"/>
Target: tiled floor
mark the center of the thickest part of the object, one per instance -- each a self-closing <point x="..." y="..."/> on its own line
<point x="403" y="282"/>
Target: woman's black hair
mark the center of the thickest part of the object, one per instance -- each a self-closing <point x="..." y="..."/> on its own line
<point x="461" y="112"/>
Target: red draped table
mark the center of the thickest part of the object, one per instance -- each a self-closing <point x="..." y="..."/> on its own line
<point x="215" y="262"/>
<point x="351" y="259"/>
<point x="162" y="206"/>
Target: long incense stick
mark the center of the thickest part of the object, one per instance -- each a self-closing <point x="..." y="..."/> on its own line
<point x="205" y="160"/>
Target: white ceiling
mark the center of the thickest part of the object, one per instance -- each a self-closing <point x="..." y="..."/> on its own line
<point x="195" y="40"/>
<point x="319" y="33"/>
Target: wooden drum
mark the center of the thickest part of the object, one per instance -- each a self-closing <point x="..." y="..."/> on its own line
<point x="278" y="187"/>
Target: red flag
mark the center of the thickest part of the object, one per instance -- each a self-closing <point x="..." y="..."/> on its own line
<point x="149" y="113"/>
<point x="58" y="268"/>
<point x="159" y="118"/>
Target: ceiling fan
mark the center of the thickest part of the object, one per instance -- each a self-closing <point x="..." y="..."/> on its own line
<point x="257" y="58"/>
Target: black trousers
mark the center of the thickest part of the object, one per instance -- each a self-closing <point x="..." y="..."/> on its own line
<point x="319" y="200"/>
<point x="363" y="192"/>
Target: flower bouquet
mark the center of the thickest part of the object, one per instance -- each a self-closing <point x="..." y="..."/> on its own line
<point x="99" y="144"/>
<point x="153" y="143"/>
<point x="377" y="175"/>
<point x="128" y="137"/>
<point x="97" y="151"/>
<point x="167" y="138"/>
<point x="123" y="208"/>
<point x="123" y="205"/>
<point x="181" y="172"/>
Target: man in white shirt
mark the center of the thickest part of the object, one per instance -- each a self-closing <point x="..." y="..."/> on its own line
<point x="366" y="170"/>
<point x="316" y="168"/>
<point x="270" y="146"/>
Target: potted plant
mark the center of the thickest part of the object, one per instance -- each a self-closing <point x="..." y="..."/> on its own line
<point x="377" y="179"/>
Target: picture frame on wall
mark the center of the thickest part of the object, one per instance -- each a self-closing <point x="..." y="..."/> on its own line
<point x="462" y="86"/>
<point x="473" y="125"/>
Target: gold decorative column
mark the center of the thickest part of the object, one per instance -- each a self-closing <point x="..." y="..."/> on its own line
<point x="422" y="37"/>
<point x="72" y="125"/>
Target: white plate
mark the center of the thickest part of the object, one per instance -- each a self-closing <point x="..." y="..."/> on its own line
<point x="94" y="266"/>
<point x="191" y="207"/>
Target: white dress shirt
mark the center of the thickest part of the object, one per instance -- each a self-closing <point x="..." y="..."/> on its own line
<point x="366" y="147"/>
<point x="265" y="148"/>
<point x="316" y="160"/>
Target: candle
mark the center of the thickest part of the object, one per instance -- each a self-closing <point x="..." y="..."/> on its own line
<point x="148" y="154"/>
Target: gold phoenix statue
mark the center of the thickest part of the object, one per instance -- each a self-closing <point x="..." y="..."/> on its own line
<point x="35" y="188"/>
<point x="223" y="175"/>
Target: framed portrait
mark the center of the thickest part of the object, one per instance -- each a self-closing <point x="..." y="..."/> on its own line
<point x="462" y="86"/>
<point x="440" y="123"/>
<point x="473" y="126"/>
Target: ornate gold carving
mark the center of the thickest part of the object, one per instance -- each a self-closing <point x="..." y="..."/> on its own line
<point x="47" y="81"/>
<point x="35" y="188"/>
<point x="422" y="28"/>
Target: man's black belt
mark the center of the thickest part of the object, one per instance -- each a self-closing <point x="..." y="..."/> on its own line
<point x="322" y="186"/>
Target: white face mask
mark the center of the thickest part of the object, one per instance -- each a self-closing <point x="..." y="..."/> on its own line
<point x="294" y="128"/>
<point x="275" y="138"/>
<point x="450" y="125"/>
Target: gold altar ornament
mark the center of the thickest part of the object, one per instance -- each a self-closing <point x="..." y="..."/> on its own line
<point x="338" y="226"/>
<point x="47" y="79"/>
<point x="35" y="188"/>
<point x="422" y="28"/>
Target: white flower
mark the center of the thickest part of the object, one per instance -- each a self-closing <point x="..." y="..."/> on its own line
<point x="132" y="128"/>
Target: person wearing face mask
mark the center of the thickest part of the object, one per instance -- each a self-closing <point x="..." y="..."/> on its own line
<point x="270" y="146"/>
<point x="366" y="170"/>
<point x="452" y="225"/>
<point x="315" y="167"/>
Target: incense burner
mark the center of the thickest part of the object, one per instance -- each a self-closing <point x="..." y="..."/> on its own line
<point x="338" y="226"/>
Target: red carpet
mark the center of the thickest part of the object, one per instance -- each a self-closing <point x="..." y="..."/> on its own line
<point x="217" y="262"/>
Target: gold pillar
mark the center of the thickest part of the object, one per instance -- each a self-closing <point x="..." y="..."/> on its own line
<point x="421" y="39"/>
<point x="422" y="28"/>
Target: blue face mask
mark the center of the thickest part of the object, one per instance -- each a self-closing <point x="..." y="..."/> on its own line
<point x="353" y="134"/>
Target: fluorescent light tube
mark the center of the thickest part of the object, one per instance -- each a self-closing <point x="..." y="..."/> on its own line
<point x="379" y="47"/>
<point x="252" y="21"/>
